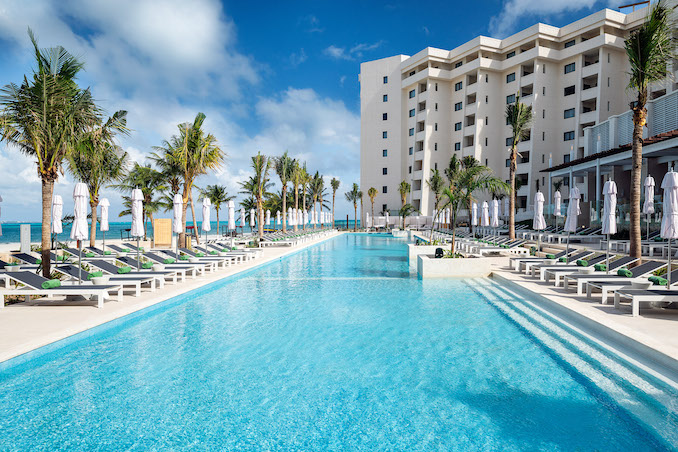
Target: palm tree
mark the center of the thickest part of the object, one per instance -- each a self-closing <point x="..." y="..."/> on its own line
<point x="405" y="211"/>
<point x="305" y="179"/>
<point x="519" y="117"/>
<point x="335" y="186"/>
<point x="316" y="187"/>
<point x="150" y="182"/>
<point x="97" y="161"/>
<point x="195" y="152"/>
<point x="296" y="182"/>
<point x="218" y="195"/>
<point x="353" y="196"/>
<point x="464" y="182"/>
<point x="283" y="168"/>
<point x="649" y="48"/>
<point x="404" y="188"/>
<point x="360" y="196"/>
<point x="44" y="117"/>
<point x="372" y="193"/>
<point x="261" y="165"/>
<point x="436" y="184"/>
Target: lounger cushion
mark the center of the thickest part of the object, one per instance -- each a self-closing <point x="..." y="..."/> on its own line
<point x="562" y="259"/>
<point x="658" y="280"/>
<point x="169" y="261"/>
<point x="550" y="256"/>
<point x="200" y="254"/>
<point x="600" y="267"/>
<point x="51" y="284"/>
<point x="147" y="265"/>
<point x="98" y="274"/>
<point x="625" y="272"/>
<point x="582" y="263"/>
<point x="107" y="253"/>
<point x="123" y="270"/>
<point x="183" y="257"/>
<point x="89" y="254"/>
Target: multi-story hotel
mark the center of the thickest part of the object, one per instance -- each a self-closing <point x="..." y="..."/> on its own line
<point x="417" y="111"/>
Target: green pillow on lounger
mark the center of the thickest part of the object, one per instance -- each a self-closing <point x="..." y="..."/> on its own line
<point x="39" y="261"/>
<point x="125" y="250"/>
<point x="562" y="259"/>
<point x="89" y="254"/>
<point x="147" y="265"/>
<point x="200" y="254"/>
<point x="51" y="284"/>
<point x="582" y="263"/>
<point x="168" y="261"/>
<point x="213" y="253"/>
<point x="625" y="272"/>
<point x="123" y="270"/>
<point x="658" y="239"/>
<point x="550" y="256"/>
<point x="12" y="264"/>
<point x="600" y="267"/>
<point x="98" y="274"/>
<point x="62" y="258"/>
<point x="183" y="257"/>
<point x="107" y="253"/>
<point x="657" y="280"/>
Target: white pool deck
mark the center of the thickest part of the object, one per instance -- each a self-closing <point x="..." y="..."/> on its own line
<point x="28" y="326"/>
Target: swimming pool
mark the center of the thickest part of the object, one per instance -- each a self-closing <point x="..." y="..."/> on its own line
<point x="333" y="348"/>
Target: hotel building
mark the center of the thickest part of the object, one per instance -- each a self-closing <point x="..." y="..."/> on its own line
<point x="417" y="111"/>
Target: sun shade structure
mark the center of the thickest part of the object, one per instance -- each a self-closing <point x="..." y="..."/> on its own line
<point x="137" y="218"/>
<point x="609" y="220"/>
<point x="103" y="223"/>
<point x="231" y="216"/>
<point x="495" y="218"/>
<point x="669" y="226"/>
<point x="538" y="222"/>
<point x="278" y="220"/>
<point x="485" y="216"/>
<point x="205" y="225"/>
<point x="57" y="214"/>
<point x="79" y="228"/>
<point x="252" y="222"/>
<point x="177" y="220"/>
<point x="243" y="219"/>
<point x="573" y="212"/>
<point x="556" y="207"/>
<point x="268" y="217"/>
<point x="648" y="205"/>
<point x="506" y="206"/>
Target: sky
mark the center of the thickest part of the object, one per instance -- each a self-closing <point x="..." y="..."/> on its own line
<point x="270" y="76"/>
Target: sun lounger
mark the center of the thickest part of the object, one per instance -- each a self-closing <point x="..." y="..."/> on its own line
<point x="32" y="285"/>
<point x="519" y="261"/>
<point x="112" y="269"/>
<point x="130" y="280"/>
<point x="225" y="261"/>
<point x="608" y="287"/>
<point x="180" y="266"/>
<point x="651" y="297"/>
<point x="541" y="267"/>
<point x="559" y="272"/>
<point x="637" y="272"/>
<point x="210" y="265"/>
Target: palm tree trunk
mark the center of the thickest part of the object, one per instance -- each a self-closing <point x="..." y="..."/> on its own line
<point x="355" y="217"/>
<point x="184" y="209"/>
<point x="512" y="195"/>
<point x="195" y="223"/>
<point x="639" y="116"/>
<point x="334" y="194"/>
<point x="372" y="213"/>
<point x="216" y="208"/>
<point x="296" y="206"/>
<point x="93" y="227"/>
<point x="303" y="203"/>
<point x="454" y="230"/>
<point x="260" y="217"/>
<point x="150" y="220"/>
<point x="47" y="191"/>
<point x="284" y="208"/>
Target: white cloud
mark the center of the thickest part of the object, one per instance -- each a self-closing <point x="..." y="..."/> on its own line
<point x="357" y="51"/>
<point x="311" y="24"/>
<point x="297" y="58"/>
<point x="514" y="10"/>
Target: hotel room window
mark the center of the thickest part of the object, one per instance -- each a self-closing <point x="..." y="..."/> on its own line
<point x="384" y="189"/>
<point x="568" y="136"/>
<point x="569" y="68"/>
<point x="385" y="97"/>
<point x="384" y="116"/>
<point x="457" y="106"/>
<point x="458" y="86"/>
<point x="384" y="134"/>
<point x="384" y="171"/>
<point x="384" y="153"/>
<point x="510" y="77"/>
<point x="412" y="93"/>
<point x="457" y="146"/>
<point x="385" y="79"/>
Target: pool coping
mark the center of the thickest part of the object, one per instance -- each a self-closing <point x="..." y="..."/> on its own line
<point x="51" y="342"/>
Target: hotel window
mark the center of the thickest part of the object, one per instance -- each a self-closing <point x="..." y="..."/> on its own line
<point x="569" y="113"/>
<point x="510" y="98"/>
<point x="568" y="90"/>
<point x="485" y="141"/>
<point x="435" y="146"/>
<point x="608" y="105"/>
<point x="385" y="97"/>
<point x="435" y="126"/>
<point x="608" y="82"/>
<point x="384" y="153"/>
<point x="435" y="166"/>
<point x="486" y="78"/>
<point x="409" y="169"/>
<point x="457" y="146"/>
<point x="436" y="105"/>
<point x="385" y="79"/>
<point x="436" y="87"/>
<point x="384" y="116"/>
<point x="457" y="64"/>
<point x="383" y="208"/>
<point x="458" y="86"/>
<point x="411" y="113"/>
<point x="487" y="99"/>
<point x="411" y="131"/>
<point x="566" y="159"/>
<point x="508" y="163"/>
<point x="543" y="138"/>
<point x="411" y="150"/>
<point x="570" y="43"/>
<point x="486" y="121"/>
<point x="510" y="77"/>
<point x="608" y="57"/>
<point x="507" y="121"/>
<point x="543" y="114"/>
<point x="457" y="106"/>
<point x="457" y="126"/>
<point x="569" y="68"/>
<point x="542" y="158"/>
<point x="384" y="171"/>
<point x="568" y="136"/>
<point x="384" y="189"/>
<point x="510" y="54"/>
<point x="543" y="91"/>
<point x="509" y="141"/>
<point x="412" y="94"/>
<point x="543" y="68"/>
<point x="384" y="134"/>
<point x="412" y="73"/>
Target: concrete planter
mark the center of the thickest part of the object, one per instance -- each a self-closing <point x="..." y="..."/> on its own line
<point x="469" y="267"/>
<point x="413" y="251"/>
<point x="398" y="233"/>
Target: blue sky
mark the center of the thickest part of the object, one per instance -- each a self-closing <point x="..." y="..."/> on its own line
<point x="270" y="76"/>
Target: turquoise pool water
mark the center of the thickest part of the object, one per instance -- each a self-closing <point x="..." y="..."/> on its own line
<point x="333" y="348"/>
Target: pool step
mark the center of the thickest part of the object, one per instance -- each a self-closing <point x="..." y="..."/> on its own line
<point x="608" y="374"/>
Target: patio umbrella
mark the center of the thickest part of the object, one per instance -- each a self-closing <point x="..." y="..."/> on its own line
<point x="79" y="228"/>
<point x="0" y="223"/>
<point x="300" y="217"/>
<point x="243" y="219"/>
<point x="304" y="219"/>
<point x="495" y="218"/>
<point x="474" y="217"/>
<point x="57" y="213"/>
<point x="538" y="222"/>
<point x="289" y="216"/>
<point x="205" y="225"/>
<point x="669" y="227"/>
<point x="137" y="214"/>
<point x="648" y="206"/>
<point x="506" y="207"/>
<point x="385" y="220"/>
<point x="278" y="221"/>
<point x="231" y="216"/>
<point x="177" y="220"/>
<point x="609" y="218"/>
<point x="556" y="207"/>
<point x="268" y="217"/>
<point x="103" y="224"/>
<point x="252" y="221"/>
<point x="485" y="215"/>
<point x="573" y="211"/>
<point x="367" y="219"/>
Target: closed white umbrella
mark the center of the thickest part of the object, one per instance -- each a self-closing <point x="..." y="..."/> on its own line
<point x="300" y="217"/>
<point x="252" y="221"/>
<point x="103" y="223"/>
<point x="79" y="227"/>
<point x="0" y="223"/>
<point x="367" y="219"/>
<point x="385" y="220"/>
<point x="485" y="215"/>
<point x="205" y="225"/>
<point x="231" y="216"/>
<point x="278" y="220"/>
<point x="57" y="214"/>
<point x="556" y="207"/>
<point x="268" y="217"/>
<point x="609" y="219"/>
<point x="669" y="226"/>
<point x="648" y="205"/>
<point x="177" y="219"/>
<point x="474" y="218"/>
<point x="137" y="221"/>
<point x="289" y="216"/>
<point x="538" y="222"/>
<point x="573" y="211"/>
<point x="304" y="214"/>
<point x="495" y="217"/>
<point x="243" y="219"/>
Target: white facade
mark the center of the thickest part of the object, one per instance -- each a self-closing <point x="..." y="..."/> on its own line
<point x="445" y="102"/>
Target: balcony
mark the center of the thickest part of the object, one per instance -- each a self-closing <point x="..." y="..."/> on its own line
<point x="591" y="70"/>
<point x="588" y="117"/>
<point x="416" y="194"/>
<point x="419" y="156"/>
<point x="417" y="175"/>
